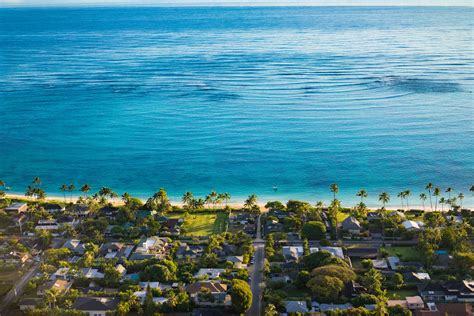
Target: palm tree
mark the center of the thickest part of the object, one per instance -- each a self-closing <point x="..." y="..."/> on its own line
<point x="460" y="197"/>
<point x="429" y="187"/>
<point x="362" y="194"/>
<point x="71" y="188"/>
<point x="407" y="195"/>
<point x="384" y="197"/>
<point x="250" y="202"/>
<point x="187" y="199"/>
<point x="334" y="189"/>
<point x="449" y="190"/>
<point x="401" y="195"/>
<point x="442" y="201"/>
<point x="423" y="199"/>
<point x="85" y="189"/>
<point x="472" y="189"/>
<point x="105" y="191"/>
<point x="37" y="181"/>
<point x="436" y="193"/>
<point x="226" y="197"/>
<point x="213" y="195"/>
<point x="64" y="188"/>
<point x="208" y="201"/>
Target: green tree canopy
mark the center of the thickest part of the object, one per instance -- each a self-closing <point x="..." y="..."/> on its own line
<point x="313" y="230"/>
<point x="241" y="296"/>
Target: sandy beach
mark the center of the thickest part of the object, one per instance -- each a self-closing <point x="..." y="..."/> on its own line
<point x="233" y="204"/>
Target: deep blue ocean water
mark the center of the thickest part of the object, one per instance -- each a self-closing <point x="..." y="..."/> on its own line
<point x="238" y="99"/>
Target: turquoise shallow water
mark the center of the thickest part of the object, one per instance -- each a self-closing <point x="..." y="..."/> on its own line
<point x="238" y="99"/>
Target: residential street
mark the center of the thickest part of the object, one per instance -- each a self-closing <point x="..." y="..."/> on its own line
<point x="257" y="274"/>
<point x="19" y="287"/>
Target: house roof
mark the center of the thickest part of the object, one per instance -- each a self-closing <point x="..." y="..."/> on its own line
<point x="362" y="252"/>
<point x="414" y="300"/>
<point x="350" y="223"/>
<point x="296" y="307"/>
<point x="96" y="303"/>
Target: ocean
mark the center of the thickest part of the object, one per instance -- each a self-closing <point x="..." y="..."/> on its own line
<point x="238" y="100"/>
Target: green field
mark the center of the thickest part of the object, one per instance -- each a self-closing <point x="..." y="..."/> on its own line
<point x="404" y="253"/>
<point x="401" y="294"/>
<point x="205" y="224"/>
<point x="342" y="216"/>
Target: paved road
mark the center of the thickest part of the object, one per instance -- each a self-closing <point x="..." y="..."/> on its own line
<point x="19" y="287"/>
<point x="257" y="274"/>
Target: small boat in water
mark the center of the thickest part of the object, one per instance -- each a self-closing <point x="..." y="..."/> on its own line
<point x="275" y="188"/>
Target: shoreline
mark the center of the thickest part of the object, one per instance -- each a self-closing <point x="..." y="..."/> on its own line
<point x="233" y="204"/>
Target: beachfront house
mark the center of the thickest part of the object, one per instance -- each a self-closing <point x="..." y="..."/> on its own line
<point x="17" y="208"/>
<point x="351" y="225"/>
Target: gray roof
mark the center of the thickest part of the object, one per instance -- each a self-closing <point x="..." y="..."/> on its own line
<point x="96" y="303"/>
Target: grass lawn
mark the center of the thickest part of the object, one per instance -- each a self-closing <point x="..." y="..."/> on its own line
<point x="342" y="216"/>
<point x="205" y="224"/>
<point x="295" y="294"/>
<point x="401" y="294"/>
<point x="404" y="253"/>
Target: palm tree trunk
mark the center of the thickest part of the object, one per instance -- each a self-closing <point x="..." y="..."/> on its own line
<point x="431" y="202"/>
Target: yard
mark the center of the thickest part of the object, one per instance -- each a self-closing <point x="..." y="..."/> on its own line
<point x="341" y="216"/>
<point x="401" y="294"/>
<point x="204" y="224"/>
<point x="404" y="253"/>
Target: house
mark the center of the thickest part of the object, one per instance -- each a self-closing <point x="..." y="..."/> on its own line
<point x="210" y="273"/>
<point x="115" y="250"/>
<point x="316" y="307"/>
<point x="67" y="220"/>
<point x="351" y="225"/>
<point x="80" y="210"/>
<point x="149" y="248"/>
<point x="393" y="303"/>
<point x="14" y="258"/>
<point x="155" y="285"/>
<point x="75" y="246"/>
<point x="292" y="253"/>
<point x="28" y="303"/>
<point x="109" y="211"/>
<point x="61" y="274"/>
<point x="17" y="208"/>
<point x="415" y="302"/>
<point x="373" y="216"/>
<point x="142" y="214"/>
<point x="380" y="264"/>
<point x="335" y="251"/>
<point x="296" y="307"/>
<point x="61" y="286"/>
<point x="190" y="251"/>
<point x="363" y="253"/>
<point x="172" y="225"/>
<point x="280" y="278"/>
<point x="142" y="295"/>
<point x="394" y="262"/>
<point x="411" y="225"/>
<point x="435" y="292"/>
<point x="91" y="273"/>
<point x="121" y="270"/>
<point x="53" y="208"/>
<point x="235" y="259"/>
<point x="96" y="306"/>
<point x="47" y="224"/>
<point x="464" y="290"/>
<point x="217" y="290"/>
<point x="440" y="309"/>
